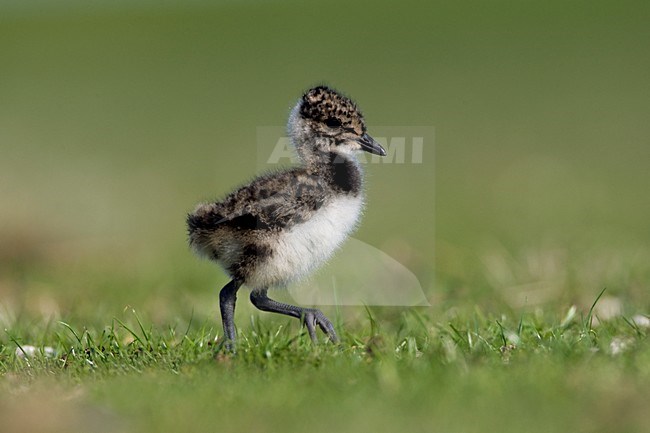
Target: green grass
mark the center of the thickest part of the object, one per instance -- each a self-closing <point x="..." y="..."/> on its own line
<point x="471" y="372"/>
<point x="115" y="120"/>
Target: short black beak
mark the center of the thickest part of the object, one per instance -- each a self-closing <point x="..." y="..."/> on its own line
<point x="369" y="144"/>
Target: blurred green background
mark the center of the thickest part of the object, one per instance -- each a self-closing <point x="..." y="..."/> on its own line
<point x="115" y="119"/>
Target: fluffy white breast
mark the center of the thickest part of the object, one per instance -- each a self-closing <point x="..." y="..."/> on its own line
<point x="305" y="246"/>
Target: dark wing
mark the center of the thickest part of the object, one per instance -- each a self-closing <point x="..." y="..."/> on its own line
<point x="269" y="203"/>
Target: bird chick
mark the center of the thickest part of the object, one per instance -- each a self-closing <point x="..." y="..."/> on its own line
<point x="281" y="226"/>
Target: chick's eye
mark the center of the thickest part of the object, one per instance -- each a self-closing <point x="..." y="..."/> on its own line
<point x="333" y="122"/>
